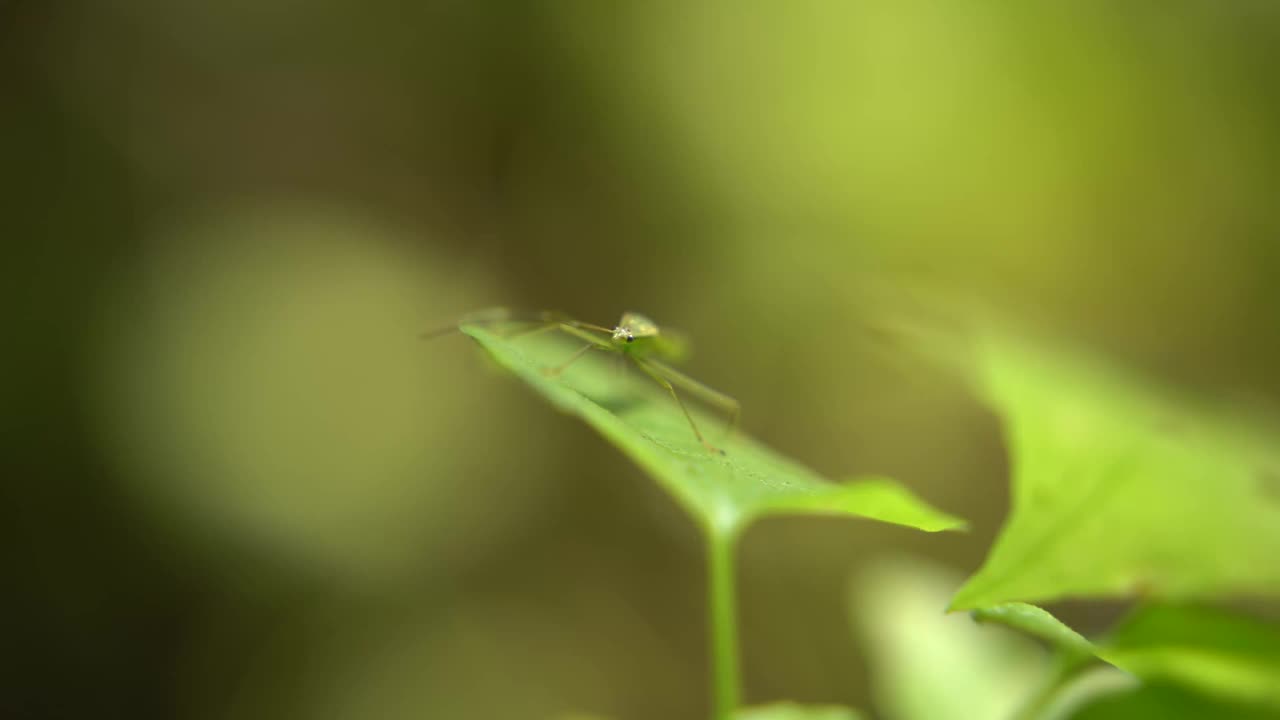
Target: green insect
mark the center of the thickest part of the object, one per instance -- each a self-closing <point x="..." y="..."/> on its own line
<point x="637" y="339"/>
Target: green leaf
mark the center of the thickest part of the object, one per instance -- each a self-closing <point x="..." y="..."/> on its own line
<point x="722" y="492"/>
<point x="1120" y="488"/>
<point x="792" y="711"/>
<point x="1215" y="652"/>
<point x="926" y="664"/>
<point x="1220" y="653"/>
<point x="1039" y="623"/>
<point x="1167" y="703"/>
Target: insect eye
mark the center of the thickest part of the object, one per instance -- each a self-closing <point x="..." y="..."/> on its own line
<point x="630" y="338"/>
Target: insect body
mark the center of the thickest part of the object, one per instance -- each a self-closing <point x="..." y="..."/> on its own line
<point x="639" y="340"/>
<point x="638" y="336"/>
<point x="634" y="325"/>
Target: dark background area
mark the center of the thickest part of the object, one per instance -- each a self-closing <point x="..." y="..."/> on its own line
<point x="239" y="486"/>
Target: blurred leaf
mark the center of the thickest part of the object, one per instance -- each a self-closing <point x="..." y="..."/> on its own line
<point x="1039" y="623"/>
<point x="792" y="711"/>
<point x="1166" y="703"/>
<point x="1120" y="489"/>
<point x="1220" y="653"/>
<point x="929" y="665"/>
<point x="1212" y="651"/>
<point x="723" y="492"/>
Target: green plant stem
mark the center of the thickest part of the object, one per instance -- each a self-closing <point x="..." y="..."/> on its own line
<point x="723" y="621"/>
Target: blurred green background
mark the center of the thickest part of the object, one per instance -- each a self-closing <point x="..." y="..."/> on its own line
<point x="240" y="486"/>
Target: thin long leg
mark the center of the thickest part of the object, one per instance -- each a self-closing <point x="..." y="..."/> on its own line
<point x="532" y="330"/>
<point x="593" y="343"/>
<point x="706" y="394"/>
<point x="553" y="371"/>
<point x="560" y="318"/>
<point x="569" y="327"/>
<point x="588" y="337"/>
<point x="542" y="320"/>
<point x="651" y="372"/>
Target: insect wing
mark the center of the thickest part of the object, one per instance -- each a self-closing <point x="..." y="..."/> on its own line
<point x="672" y="346"/>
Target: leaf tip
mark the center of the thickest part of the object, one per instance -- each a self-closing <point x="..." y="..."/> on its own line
<point x="951" y="523"/>
<point x="962" y="601"/>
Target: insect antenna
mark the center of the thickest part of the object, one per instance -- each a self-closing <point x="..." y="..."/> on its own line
<point x="540" y="321"/>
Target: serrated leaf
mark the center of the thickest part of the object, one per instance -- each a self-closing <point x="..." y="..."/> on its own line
<point x="720" y="491"/>
<point x="1121" y="488"/>
<point x="793" y="711"/>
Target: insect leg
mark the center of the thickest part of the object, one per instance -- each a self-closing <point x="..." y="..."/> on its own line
<point x="651" y="372"/>
<point x="593" y="343"/>
<point x="533" y="330"/>
<point x="572" y="330"/>
<point x="562" y="319"/>
<point x="543" y="320"/>
<point x="553" y="371"/>
<point x="730" y="406"/>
